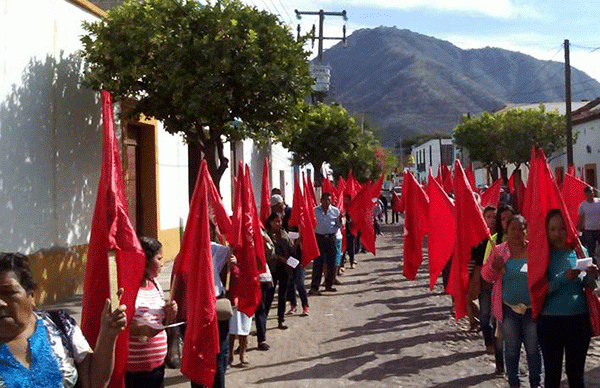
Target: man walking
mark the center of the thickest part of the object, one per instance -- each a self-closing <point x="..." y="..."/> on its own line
<point x="328" y="224"/>
<point x="589" y="221"/>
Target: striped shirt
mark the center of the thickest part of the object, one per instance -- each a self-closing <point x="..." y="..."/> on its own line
<point x="146" y="354"/>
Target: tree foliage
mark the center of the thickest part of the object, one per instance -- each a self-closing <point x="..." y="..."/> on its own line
<point x="325" y="134"/>
<point x="366" y="158"/>
<point x="498" y="139"/>
<point x="213" y="73"/>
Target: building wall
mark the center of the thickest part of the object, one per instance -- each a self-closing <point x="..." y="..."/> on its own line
<point x="50" y="141"/>
<point x="586" y="150"/>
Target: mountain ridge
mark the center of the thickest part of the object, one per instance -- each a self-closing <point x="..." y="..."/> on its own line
<point x="406" y="83"/>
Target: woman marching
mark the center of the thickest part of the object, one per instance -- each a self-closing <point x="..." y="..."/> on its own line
<point x="564" y="322"/>
<point x="507" y="270"/>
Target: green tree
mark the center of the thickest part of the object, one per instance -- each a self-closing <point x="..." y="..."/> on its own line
<point x="366" y="158"/>
<point x="214" y="73"/>
<point x="327" y="133"/>
<point x="498" y="139"/>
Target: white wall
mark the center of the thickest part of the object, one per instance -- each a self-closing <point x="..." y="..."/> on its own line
<point x="172" y="180"/>
<point x="50" y="134"/>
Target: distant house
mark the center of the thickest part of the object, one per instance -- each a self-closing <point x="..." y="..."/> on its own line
<point x="433" y="153"/>
<point x="586" y="149"/>
<point x="50" y="151"/>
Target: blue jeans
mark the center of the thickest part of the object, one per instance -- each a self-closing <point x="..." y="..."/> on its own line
<point x="297" y="284"/>
<point x="520" y="329"/>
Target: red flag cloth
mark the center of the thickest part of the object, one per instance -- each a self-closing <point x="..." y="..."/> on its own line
<point x="470" y="175"/>
<point x="328" y="188"/>
<point x="361" y="213"/>
<point x="221" y="218"/>
<point x="265" y="193"/>
<point x="194" y="263"/>
<point x="308" y="196"/>
<point x="442" y="228"/>
<point x="573" y="195"/>
<point x="518" y="192"/>
<point x="352" y="186"/>
<point x="312" y="199"/>
<point x="416" y="224"/>
<point x="472" y="231"/>
<point x="246" y="287"/>
<point x="491" y="196"/>
<point x="440" y="175"/>
<point x="447" y="183"/>
<point x="111" y="230"/>
<point x="396" y="205"/>
<point x="544" y="197"/>
<point x="308" y="221"/>
<point x="296" y="203"/>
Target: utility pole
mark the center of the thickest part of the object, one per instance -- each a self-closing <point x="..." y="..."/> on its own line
<point x="568" y="105"/>
<point x="320" y="94"/>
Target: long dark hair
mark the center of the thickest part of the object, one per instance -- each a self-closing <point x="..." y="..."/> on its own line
<point x="501" y="209"/>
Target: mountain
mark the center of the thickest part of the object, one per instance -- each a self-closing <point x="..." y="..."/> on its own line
<point x="405" y="83"/>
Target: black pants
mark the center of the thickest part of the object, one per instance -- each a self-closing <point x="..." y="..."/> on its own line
<point x="570" y="335"/>
<point x="150" y="379"/>
<point x="280" y="277"/>
<point x="326" y="243"/>
<point x="350" y="248"/>
<point x="262" y="312"/>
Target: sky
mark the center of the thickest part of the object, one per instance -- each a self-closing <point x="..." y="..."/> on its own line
<point x="534" y="27"/>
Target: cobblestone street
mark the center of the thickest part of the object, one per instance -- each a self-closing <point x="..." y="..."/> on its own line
<point x="378" y="330"/>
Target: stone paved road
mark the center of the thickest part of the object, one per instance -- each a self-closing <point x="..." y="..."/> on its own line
<point x="378" y="330"/>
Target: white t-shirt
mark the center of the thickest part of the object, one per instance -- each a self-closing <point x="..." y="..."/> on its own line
<point x="591" y="212"/>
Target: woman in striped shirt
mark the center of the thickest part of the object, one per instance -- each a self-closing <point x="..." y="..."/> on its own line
<point x="148" y="340"/>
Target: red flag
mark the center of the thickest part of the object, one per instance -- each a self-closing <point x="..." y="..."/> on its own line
<point x="361" y="213"/>
<point x="194" y="263"/>
<point x="265" y="193"/>
<point x="572" y="192"/>
<point x="296" y="204"/>
<point x="328" y="188"/>
<point x="111" y="230"/>
<point x="440" y="175"/>
<point x="518" y="192"/>
<point x="471" y="232"/>
<point x="308" y="221"/>
<point x="221" y="218"/>
<point x="352" y="186"/>
<point x="470" y="175"/>
<point x="396" y="202"/>
<point x="246" y="287"/>
<point x="416" y="224"/>
<point x="492" y="195"/>
<point x="442" y="227"/>
<point x="544" y="197"/>
<point x="447" y="183"/>
<point x="312" y="199"/>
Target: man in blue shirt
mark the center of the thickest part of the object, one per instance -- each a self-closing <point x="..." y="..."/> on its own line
<point x="328" y="224"/>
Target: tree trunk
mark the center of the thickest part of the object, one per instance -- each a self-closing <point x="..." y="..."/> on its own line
<point x="211" y="149"/>
<point x="318" y="181"/>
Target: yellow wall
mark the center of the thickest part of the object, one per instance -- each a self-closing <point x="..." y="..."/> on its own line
<point x="59" y="273"/>
<point x="170" y="239"/>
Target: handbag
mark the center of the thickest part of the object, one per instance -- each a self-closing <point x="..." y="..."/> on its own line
<point x="224" y="311"/>
<point x="174" y="347"/>
<point x="594" y="310"/>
